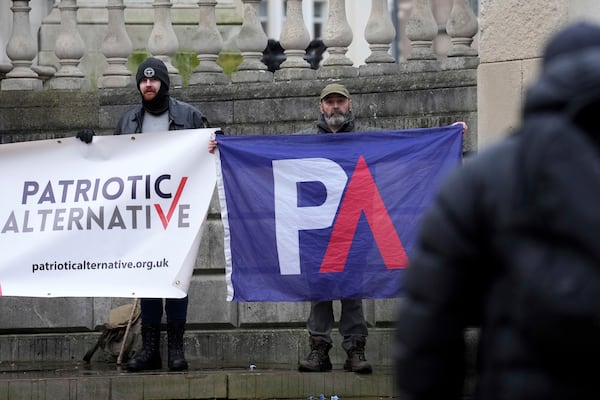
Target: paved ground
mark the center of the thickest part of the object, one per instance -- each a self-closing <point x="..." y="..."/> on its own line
<point x="80" y="381"/>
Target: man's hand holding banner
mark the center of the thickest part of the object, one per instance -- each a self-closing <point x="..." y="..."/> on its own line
<point x="325" y="217"/>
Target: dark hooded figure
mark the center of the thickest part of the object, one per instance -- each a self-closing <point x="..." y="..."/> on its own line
<point x="511" y="245"/>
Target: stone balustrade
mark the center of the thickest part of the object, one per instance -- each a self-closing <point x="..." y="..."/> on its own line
<point x="163" y="43"/>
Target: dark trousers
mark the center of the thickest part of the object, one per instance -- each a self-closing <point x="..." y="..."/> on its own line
<point x="352" y="321"/>
<point x="152" y="310"/>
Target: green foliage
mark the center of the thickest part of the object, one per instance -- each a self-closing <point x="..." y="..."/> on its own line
<point x="135" y="59"/>
<point x="185" y="62"/>
<point x="229" y="62"/>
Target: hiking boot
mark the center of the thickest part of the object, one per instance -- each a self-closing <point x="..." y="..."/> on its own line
<point x="356" y="361"/>
<point x="318" y="358"/>
<point x="176" y="357"/>
<point x="149" y="357"/>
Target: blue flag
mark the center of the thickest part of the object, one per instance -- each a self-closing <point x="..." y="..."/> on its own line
<point x="327" y="216"/>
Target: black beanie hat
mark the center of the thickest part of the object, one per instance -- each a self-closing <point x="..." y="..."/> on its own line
<point x="153" y="68"/>
<point x="574" y="38"/>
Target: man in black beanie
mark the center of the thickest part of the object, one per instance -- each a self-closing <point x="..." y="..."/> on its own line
<point x="158" y="112"/>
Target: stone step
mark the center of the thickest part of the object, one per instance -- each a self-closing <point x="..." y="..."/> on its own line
<point x="267" y="348"/>
<point x="50" y="366"/>
<point x="79" y="381"/>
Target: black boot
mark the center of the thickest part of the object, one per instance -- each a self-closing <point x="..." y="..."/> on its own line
<point x="356" y="361"/>
<point x="149" y="357"/>
<point x="176" y="357"/>
<point x="318" y="358"/>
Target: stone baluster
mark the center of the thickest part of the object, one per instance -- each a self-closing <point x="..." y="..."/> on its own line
<point x="208" y="43"/>
<point x="294" y="39"/>
<point x="421" y="30"/>
<point x="462" y="27"/>
<point x="251" y="41"/>
<point x="337" y="37"/>
<point x="380" y="34"/>
<point x="163" y="43"/>
<point x="69" y="49"/>
<point x="21" y="50"/>
<point x="116" y="47"/>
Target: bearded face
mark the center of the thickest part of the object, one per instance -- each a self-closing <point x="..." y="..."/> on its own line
<point x="336" y="110"/>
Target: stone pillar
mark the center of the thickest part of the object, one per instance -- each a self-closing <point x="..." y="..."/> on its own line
<point x="337" y="37"/>
<point x="421" y="29"/>
<point x="116" y="48"/>
<point x="69" y="49"/>
<point x="251" y="41"/>
<point x="294" y="39"/>
<point x="208" y="43"/>
<point x="462" y="27"/>
<point x="163" y="43"/>
<point x="21" y="50"/>
<point x="380" y="34"/>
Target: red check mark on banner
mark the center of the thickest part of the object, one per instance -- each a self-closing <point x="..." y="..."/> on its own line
<point x="166" y="219"/>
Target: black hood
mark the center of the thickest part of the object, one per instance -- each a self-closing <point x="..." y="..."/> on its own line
<point x="569" y="84"/>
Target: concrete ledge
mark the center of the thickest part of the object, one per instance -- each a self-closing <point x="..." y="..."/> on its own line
<point x="70" y="381"/>
<point x="238" y="348"/>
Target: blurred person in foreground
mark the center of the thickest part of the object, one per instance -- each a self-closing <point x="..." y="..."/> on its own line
<point x="511" y="244"/>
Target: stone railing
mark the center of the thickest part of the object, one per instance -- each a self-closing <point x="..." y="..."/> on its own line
<point x="207" y="43"/>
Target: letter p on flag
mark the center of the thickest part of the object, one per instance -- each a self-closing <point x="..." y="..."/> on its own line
<point x="290" y="219"/>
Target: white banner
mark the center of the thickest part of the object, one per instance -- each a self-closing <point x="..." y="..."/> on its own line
<point x="120" y="217"/>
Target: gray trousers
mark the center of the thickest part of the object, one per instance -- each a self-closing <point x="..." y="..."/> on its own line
<point x="352" y="321"/>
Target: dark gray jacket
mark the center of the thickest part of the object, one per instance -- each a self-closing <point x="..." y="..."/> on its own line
<point x="181" y="116"/>
<point x="511" y="244"/>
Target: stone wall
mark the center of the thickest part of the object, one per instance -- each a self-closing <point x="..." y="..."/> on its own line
<point x="405" y="100"/>
<point x="512" y="35"/>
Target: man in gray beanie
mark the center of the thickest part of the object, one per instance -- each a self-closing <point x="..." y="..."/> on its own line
<point x="158" y="112"/>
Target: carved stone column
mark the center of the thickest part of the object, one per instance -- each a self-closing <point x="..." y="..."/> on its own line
<point x="462" y="27"/>
<point x="294" y="39"/>
<point x="163" y="43"/>
<point x="337" y="37"/>
<point x="379" y="33"/>
<point x="208" y="43"/>
<point x="21" y="50"/>
<point x="252" y="41"/>
<point x="69" y="49"/>
<point x="421" y="29"/>
<point x="116" y="48"/>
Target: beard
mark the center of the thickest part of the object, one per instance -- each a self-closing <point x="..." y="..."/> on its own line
<point x="149" y="94"/>
<point x="336" y="118"/>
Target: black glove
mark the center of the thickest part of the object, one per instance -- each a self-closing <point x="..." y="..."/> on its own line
<point x="86" y="135"/>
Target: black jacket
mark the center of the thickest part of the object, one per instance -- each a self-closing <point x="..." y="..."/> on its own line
<point x="511" y="244"/>
<point x="181" y="116"/>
